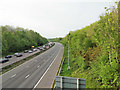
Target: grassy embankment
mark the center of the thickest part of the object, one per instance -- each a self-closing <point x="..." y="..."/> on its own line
<point x="94" y="52"/>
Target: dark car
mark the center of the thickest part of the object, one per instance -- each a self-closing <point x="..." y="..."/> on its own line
<point x="8" y="56"/>
<point x="25" y="51"/>
<point x="4" y="60"/>
<point x="19" y="55"/>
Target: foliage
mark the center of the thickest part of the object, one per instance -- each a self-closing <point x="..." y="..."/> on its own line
<point x="19" y="39"/>
<point x="55" y="39"/>
<point x="94" y="52"/>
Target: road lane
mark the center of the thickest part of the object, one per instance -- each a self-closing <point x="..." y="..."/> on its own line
<point x="16" y="59"/>
<point x="28" y="74"/>
<point x="47" y="80"/>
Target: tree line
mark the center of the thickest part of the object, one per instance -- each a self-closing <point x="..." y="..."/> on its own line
<point x="55" y="39"/>
<point x="18" y="39"/>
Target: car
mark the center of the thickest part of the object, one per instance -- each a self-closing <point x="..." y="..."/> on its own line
<point x="30" y="51"/>
<point x="47" y="47"/>
<point x="41" y="48"/>
<point x="3" y="60"/>
<point x="50" y="44"/>
<point x="34" y="50"/>
<point x="19" y="55"/>
<point x="16" y="54"/>
<point x="38" y="47"/>
<point x="25" y="51"/>
<point x="8" y="56"/>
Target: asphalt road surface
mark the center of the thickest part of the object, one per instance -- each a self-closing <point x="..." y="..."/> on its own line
<point x="16" y="59"/>
<point x="28" y="74"/>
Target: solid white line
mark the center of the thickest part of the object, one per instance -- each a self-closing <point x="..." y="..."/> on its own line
<point x="13" y="75"/>
<point x="46" y="71"/>
<point x="27" y="76"/>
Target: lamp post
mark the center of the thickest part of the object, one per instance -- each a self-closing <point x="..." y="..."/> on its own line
<point x="68" y="51"/>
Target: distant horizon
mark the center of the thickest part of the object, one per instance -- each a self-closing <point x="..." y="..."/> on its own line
<point x="38" y="32"/>
<point x="52" y="19"/>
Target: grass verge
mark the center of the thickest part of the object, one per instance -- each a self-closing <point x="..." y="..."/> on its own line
<point x="77" y="72"/>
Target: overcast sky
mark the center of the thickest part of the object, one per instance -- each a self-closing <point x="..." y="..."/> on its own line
<point x="52" y="18"/>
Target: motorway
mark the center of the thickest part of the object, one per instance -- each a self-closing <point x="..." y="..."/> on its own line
<point x="16" y="59"/>
<point x="29" y="73"/>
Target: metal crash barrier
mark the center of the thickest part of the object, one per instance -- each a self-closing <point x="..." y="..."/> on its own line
<point x="69" y="83"/>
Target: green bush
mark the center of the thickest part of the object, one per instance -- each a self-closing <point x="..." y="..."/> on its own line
<point x="94" y="52"/>
<point x="19" y="39"/>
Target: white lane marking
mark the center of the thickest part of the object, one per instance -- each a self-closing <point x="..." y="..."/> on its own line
<point x="22" y="64"/>
<point x="27" y="76"/>
<point x="38" y="66"/>
<point x="46" y="70"/>
<point x="13" y="75"/>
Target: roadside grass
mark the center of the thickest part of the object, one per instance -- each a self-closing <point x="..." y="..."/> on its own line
<point x="65" y="71"/>
<point x="91" y="81"/>
<point x="12" y="66"/>
<point x="78" y="72"/>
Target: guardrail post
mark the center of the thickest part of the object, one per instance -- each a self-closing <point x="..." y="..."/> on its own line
<point x="61" y="83"/>
<point x="77" y="83"/>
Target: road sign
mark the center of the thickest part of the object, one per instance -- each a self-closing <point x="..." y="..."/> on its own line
<point x="70" y="83"/>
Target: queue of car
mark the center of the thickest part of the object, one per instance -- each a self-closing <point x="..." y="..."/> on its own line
<point x="41" y="48"/>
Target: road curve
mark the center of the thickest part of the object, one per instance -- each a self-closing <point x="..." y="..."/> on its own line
<point x="28" y="74"/>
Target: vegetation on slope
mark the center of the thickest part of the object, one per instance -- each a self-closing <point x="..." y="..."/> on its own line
<point x="55" y="39"/>
<point x="94" y="52"/>
<point x="19" y="39"/>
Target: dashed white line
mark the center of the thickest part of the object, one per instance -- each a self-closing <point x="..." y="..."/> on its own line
<point x="13" y="75"/>
<point x="38" y="66"/>
<point x="46" y="70"/>
<point x="27" y="76"/>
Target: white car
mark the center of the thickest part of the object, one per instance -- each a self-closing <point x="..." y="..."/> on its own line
<point x="30" y="51"/>
<point x="16" y="54"/>
<point x="34" y="50"/>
